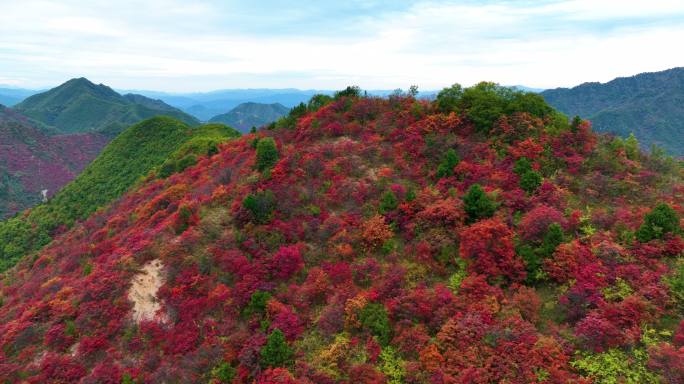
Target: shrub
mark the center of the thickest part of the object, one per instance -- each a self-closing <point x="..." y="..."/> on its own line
<point x="530" y="181"/>
<point x="351" y="91"/>
<point x="657" y="223"/>
<point x="374" y="318"/>
<point x="477" y="204"/>
<point x="449" y="98"/>
<point x="446" y="167"/>
<point x="224" y="372"/>
<point x="257" y="303"/>
<point x="388" y="202"/>
<point x="276" y="352"/>
<point x="261" y="206"/>
<point x="266" y="153"/>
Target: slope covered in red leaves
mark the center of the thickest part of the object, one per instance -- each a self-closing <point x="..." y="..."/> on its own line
<point x="32" y="161"/>
<point x="383" y="241"/>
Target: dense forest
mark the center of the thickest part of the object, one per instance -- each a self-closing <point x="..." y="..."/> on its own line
<point x="478" y="238"/>
<point x="648" y="105"/>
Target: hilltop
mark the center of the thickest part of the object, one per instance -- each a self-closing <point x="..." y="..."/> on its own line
<point x="160" y="144"/>
<point x="477" y="238"/>
<point x="248" y="115"/>
<point x="79" y="106"/>
<point x="32" y="162"/>
<point x="650" y="105"/>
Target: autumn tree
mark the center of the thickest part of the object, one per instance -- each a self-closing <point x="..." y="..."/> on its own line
<point x="488" y="247"/>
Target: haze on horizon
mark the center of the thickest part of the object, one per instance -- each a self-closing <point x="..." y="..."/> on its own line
<point x="178" y="46"/>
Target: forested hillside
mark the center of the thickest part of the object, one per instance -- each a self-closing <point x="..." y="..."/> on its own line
<point x="649" y="105"/>
<point x="162" y="144"/>
<point x="32" y="162"/>
<point x="248" y="115"/>
<point x="79" y="106"/>
<point x="479" y="238"/>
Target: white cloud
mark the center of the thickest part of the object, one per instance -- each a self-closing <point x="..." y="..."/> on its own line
<point x="181" y="46"/>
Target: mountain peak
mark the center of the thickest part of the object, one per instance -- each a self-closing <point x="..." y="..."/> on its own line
<point x="80" y="105"/>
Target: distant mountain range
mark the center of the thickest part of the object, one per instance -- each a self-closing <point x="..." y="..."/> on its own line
<point x="32" y="161"/>
<point x="650" y="105"/>
<point x="248" y="115"/>
<point x="11" y="96"/>
<point x="81" y="106"/>
<point x="205" y="106"/>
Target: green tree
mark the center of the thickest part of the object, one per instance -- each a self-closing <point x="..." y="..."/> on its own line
<point x="352" y="91"/>
<point x="632" y="147"/>
<point x="484" y="104"/>
<point x="276" y="352"/>
<point x="657" y="223"/>
<point x="530" y="181"/>
<point x="260" y="205"/>
<point x="576" y="122"/>
<point x="257" y="302"/>
<point x="223" y="372"/>
<point x="374" y="318"/>
<point x="522" y="165"/>
<point x="529" y="102"/>
<point x="449" y="161"/>
<point x="388" y="202"/>
<point x="318" y="101"/>
<point x="266" y="153"/>
<point x="448" y="99"/>
<point x="477" y="204"/>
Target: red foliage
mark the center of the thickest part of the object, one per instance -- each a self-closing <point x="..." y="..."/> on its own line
<point x="327" y="252"/>
<point x="488" y="246"/>
<point x="536" y="222"/>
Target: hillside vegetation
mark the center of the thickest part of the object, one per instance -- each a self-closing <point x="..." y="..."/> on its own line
<point x="649" y="105"/>
<point x="32" y="162"/>
<point x="80" y="106"/>
<point x="248" y="115"/>
<point x="160" y="142"/>
<point x="477" y="238"/>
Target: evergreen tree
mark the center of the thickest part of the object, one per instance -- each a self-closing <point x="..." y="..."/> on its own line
<point x="477" y="204"/>
<point x="260" y="205"/>
<point x="530" y="181"/>
<point x="267" y="153"/>
<point x="388" y="202"/>
<point x="374" y="318"/>
<point x="657" y="223"/>
<point x="446" y="167"/>
<point x="276" y="352"/>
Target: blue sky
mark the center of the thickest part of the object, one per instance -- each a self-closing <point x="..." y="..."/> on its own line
<point x="180" y="45"/>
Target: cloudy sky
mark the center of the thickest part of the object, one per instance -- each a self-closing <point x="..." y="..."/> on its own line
<point x="180" y="45"/>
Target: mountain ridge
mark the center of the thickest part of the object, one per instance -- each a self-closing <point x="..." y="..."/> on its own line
<point x="650" y="105"/>
<point x="79" y="105"/>
<point x="251" y="114"/>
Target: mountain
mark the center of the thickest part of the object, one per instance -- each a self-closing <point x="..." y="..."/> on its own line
<point x="80" y="106"/>
<point x="206" y="105"/>
<point x="476" y="238"/>
<point x="11" y="96"/>
<point x="650" y="105"/>
<point x="32" y="162"/>
<point x="248" y="115"/>
<point x="153" y="143"/>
